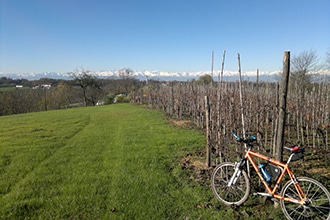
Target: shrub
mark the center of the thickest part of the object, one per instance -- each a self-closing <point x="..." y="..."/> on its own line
<point x="122" y="98"/>
<point x="110" y="98"/>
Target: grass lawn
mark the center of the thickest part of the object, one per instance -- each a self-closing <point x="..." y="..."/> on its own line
<point x="106" y="162"/>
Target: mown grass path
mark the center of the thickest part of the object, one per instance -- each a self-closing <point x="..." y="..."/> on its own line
<point x="105" y="162"/>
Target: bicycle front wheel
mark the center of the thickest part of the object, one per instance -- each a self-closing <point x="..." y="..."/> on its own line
<point x="235" y="194"/>
<point x="317" y="200"/>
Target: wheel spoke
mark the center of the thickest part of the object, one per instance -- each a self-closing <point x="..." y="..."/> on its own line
<point x="314" y="195"/>
<point x="235" y="194"/>
<point x="292" y="193"/>
<point x="317" y="200"/>
<point x="308" y="189"/>
<point x="321" y="209"/>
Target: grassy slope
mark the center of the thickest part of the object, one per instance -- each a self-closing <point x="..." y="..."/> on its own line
<point x="109" y="162"/>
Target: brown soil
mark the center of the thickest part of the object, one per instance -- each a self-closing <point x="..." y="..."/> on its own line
<point x="182" y="123"/>
<point x="199" y="171"/>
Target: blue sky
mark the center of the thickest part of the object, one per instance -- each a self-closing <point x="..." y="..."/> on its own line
<point x="165" y="35"/>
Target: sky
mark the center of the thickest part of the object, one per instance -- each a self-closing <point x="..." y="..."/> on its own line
<point x="165" y="35"/>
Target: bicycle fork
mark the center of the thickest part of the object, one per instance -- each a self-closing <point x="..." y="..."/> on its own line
<point x="237" y="173"/>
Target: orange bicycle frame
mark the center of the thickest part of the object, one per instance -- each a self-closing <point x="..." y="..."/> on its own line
<point x="285" y="166"/>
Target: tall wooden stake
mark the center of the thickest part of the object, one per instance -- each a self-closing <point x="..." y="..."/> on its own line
<point x="219" y="103"/>
<point x="207" y="117"/>
<point x="222" y="67"/>
<point x="241" y="93"/>
<point x="242" y="106"/>
<point x="282" y="106"/>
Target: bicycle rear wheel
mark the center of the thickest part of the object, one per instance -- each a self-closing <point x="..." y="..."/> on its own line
<point x="317" y="200"/>
<point x="235" y="194"/>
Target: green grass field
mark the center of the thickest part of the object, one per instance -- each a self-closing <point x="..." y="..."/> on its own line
<point x="106" y="162"/>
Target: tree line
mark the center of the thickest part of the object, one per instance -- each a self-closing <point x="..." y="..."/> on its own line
<point x="82" y="89"/>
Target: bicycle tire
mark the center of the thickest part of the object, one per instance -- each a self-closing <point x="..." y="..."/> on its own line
<point x="318" y="198"/>
<point x="234" y="195"/>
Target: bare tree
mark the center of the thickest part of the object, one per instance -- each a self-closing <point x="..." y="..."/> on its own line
<point x="303" y="66"/>
<point x="91" y="90"/>
<point x="127" y="79"/>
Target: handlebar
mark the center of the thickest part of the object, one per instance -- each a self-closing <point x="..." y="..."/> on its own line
<point x="248" y="140"/>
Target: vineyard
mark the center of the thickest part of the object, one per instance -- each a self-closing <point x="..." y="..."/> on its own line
<point x="307" y="113"/>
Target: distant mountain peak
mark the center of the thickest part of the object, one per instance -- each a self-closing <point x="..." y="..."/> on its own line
<point x="159" y="75"/>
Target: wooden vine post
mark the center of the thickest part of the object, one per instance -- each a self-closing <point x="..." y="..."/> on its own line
<point x="282" y="106"/>
<point x="207" y="121"/>
<point x="242" y="105"/>
<point x="241" y="95"/>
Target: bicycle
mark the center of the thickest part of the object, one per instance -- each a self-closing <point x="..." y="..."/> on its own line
<point x="300" y="197"/>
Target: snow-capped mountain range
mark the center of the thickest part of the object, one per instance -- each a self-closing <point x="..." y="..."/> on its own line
<point x="160" y="75"/>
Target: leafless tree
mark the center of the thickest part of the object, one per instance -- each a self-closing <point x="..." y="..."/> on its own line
<point x="127" y="79"/>
<point x="303" y="66"/>
<point x="91" y="90"/>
